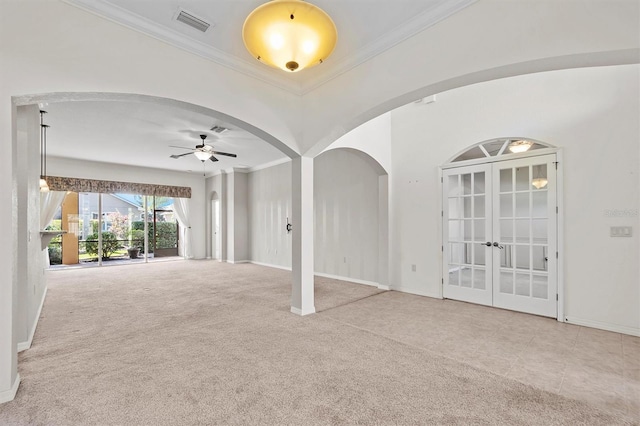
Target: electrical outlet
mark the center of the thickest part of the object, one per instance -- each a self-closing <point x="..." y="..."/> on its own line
<point x="345" y="260"/>
<point x="621" y="231"/>
<point x="413" y="268"/>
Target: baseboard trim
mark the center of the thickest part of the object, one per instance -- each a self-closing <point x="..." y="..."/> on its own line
<point x="303" y="313"/>
<point x="383" y="287"/>
<point x="8" y="395"/>
<point x="238" y="261"/>
<point x="349" y="279"/>
<point x="416" y="292"/>
<point x="270" y="265"/>
<point x="603" y="326"/>
<point x="23" y="346"/>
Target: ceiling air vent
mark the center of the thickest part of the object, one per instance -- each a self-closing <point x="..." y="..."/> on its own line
<point x="218" y="129"/>
<point x="192" y="21"/>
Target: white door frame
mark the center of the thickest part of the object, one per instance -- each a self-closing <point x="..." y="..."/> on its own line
<point x="216" y="241"/>
<point x="559" y="216"/>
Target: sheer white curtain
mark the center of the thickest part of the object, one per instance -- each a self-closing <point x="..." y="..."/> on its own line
<point x="49" y="203"/>
<point x="181" y="209"/>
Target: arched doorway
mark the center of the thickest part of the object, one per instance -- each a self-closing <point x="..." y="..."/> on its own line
<point x="500" y="226"/>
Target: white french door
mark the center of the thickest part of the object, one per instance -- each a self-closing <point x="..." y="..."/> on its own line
<point x="500" y="234"/>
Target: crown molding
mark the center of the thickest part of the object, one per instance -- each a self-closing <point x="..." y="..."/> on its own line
<point x="415" y="25"/>
<point x="269" y="164"/>
<point x="146" y="26"/>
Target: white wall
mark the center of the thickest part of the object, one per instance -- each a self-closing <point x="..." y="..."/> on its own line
<point x="241" y="217"/>
<point x="106" y="171"/>
<point x="592" y="114"/>
<point x="269" y="201"/>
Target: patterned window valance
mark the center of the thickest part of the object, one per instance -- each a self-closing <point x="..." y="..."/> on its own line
<point x="57" y="183"/>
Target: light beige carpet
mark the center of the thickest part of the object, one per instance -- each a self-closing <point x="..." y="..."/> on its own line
<point x="199" y="342"/>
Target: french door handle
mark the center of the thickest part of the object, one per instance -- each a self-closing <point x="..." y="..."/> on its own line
<point x="488" y="244"/>
<point x="496" y="244"/>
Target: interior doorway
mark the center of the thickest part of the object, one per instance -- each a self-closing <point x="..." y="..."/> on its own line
<point x="215" y="229"/>
<point x="500" y="233"/>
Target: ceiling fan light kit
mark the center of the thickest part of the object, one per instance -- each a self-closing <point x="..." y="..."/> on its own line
<point x="203" y="155"/>
<point x="289" y="34"/>
<point x="203" y="152"/>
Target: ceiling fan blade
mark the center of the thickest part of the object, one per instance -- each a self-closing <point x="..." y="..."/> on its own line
<point x="225" y="153"/>
<point x="180" y="155"/>
<point x="182" y="147"/>
<point x="212" y="158"/>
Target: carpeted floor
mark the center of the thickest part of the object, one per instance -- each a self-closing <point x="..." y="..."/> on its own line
<point x="200" y="342"/>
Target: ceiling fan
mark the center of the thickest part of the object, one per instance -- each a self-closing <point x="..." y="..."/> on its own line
<point x="203" y="151"/>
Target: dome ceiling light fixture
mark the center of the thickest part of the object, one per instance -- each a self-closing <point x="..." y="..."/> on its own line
<point x="289" y="34"/>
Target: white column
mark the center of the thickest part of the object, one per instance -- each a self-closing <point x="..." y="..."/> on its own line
<point x="302" y="248"/>
<point x="383" y="232"/>
<point x="231" y="216"/>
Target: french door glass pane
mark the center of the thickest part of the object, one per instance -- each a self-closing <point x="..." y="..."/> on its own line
<point x="456" y="254"/>
<point x="479" y="256"/>
<point x="506" y="256"/>
<point x="540" y="286"/>
<point x="465" y="277"/>
<point x="522" y="204"/>
<point x="523" y="180"/>
<point x="478" y="206"/>
<point x="523" y="284"/>
<point x="454" y="186"/>
<point x="506" y="205"/>
<point x="478" y="183"/>
<point x="455" y="230"/>
<point x="455" y="211"/>
<point x="522" y="231"/>
<point x="466" y="184"/>
<point x="479" y="278"/>
<point x="468" y="209"/>
<point x="454" y="275"/>
<point x="506" y="282"/>
<point x="506" y="180"/>
<point x="479" y="230"/>
<point x="539" y="203"/>
<point x="506" y="230"/>
<point x="539" y="258"/>
<point x="539" y="228"/>
<point x="522" y="257"/>
<point x="467" y="232"/>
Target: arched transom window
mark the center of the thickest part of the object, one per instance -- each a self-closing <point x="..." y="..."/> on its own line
<point x="499" y="147"/>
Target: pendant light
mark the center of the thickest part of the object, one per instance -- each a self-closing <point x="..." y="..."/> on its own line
<point x="289" y="34"/>
<point x="44" y="187"/>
